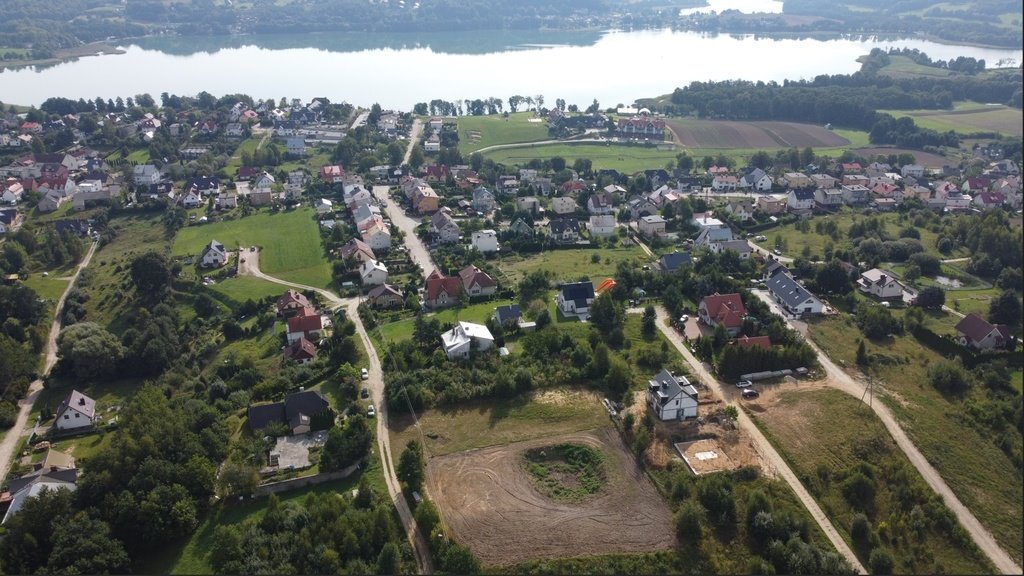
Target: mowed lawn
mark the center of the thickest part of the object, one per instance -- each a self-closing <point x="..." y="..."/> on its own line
<point x="289" y="243"/>
<point x="242" y="288"/>
<point x="968" y="118"/>
<point x="976" y="469"/>
<point x="477" y="424"/>
<point x="572" y="264"/>
<point x="478" y="313"/>
<point x="830" y="430"/>
<point x="47" y="287"/>
<point x="476" y="132"/>
<point x="621" y="157"/>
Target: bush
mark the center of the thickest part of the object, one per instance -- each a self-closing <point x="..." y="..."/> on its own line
<point x="949" y="376"/>
<point x="859" y="490"/>
<point x="881" y="561"/>
<point x="688" y="522"/>
<point x="931" y="297"/>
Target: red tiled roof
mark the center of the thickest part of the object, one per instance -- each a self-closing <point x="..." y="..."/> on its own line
<point x="747" y="342"/>
<point x="302" y="349"/>
<point x="305" y="322"/>
<point x="436" y="284"/>
<point x="725" y="309"/>
<point x="471" y="274"/>
<point x="292" y="299"/>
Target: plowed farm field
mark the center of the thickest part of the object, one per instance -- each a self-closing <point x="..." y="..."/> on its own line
<point x="491" y="504"/>
<point x="695" y="133"/>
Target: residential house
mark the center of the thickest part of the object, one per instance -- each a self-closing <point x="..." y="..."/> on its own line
<point x="756" y="179"/>
<point x="989" y="200"/>
<point x="306" y="324"/>
<point x="855" y="180"/>
<point x="332" y="174"/>
<point x="564" y="230"/>
<point x="671" y="397"/>
<point x="191" y="199"/>
<point x="145" y="175"/>
<point x="507" y="316"/>
<point x="465" y="337"/>
<point x="797" y="180"/>
<point x="641" y="127"/>
<point x="373" y="273"/>
<point x="885" y="204"/>
<point x="723" y="182"/>
<point x="856" y="194"/>
<point x="602" y="226"/>
<point x="528" y="204"/>
<point x="227" y="201"/>
<point x="323" y="206"/>
<point x="483" y="200"/>
<point x="958" y="201"/>
<point x="741" y="209"/>
<point x="563" y="205"/>
<point x="771" y="205"/>
<point x="425" y="200"/>
<point x="204" y="185"/>
<point x="51" y="201"/>
<point x="432" y="144"/>
<point x="31" y="486"/>
<point x="296" y="412"/>
<point x="828" y="198"/>
<point x="213" y="255"/>
<point x="740" y="247"/>
<point x="443" y="225"/>
<point x="476" y="282"/>
<point x="302" y="351"/>
<point x="723" y="309"/>
<point x="763" y="342"/>
<point x="801" y="200"/>
<point x="543" y="186"/>
<point x="886" y="190"/>
<point x="234" y="131"/>
<point x="823" y="181"/>
<point x="851" y="167"/>
<point x="880" y="284"/>
<point x="976" y="332"/>
<point x="674" y="261"/>
<point x="12" y="191"/>
<point x="975" y="185"/>
<point x="77" y="411"/>
<point x="640" y="206"/>
<point x="710" y="236"/>
<point x="912" y="170"/>
<point x="574" y="299"/>
<point x="508" y="185"/>
<point x="261" y="197"/>
<point x="436" y="124"/>
<point x="292" y="303"/>
<point x="8" y="216"/>
<point x="520" y="228"/>
<point x="385" y="296"/>
<point x="358" y="251"/>
<point x="600" y="203"/>
<point x="441" y="291"/>
<point x="792" y="296"/>
<point x="651" y="226"/>
<point x="485" y="241"/>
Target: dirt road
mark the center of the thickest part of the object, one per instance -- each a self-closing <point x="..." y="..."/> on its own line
<point x="417" y="251"/>
<point x="414" y="138"/>
<point x="251" y="267"/>
<point x="767" y="451"/>
<point x="839" y="379"/>
<point x="13" y="437"/>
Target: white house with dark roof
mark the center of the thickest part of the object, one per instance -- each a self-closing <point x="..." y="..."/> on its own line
<point x="880" y="284"/>
<point x="671" y="397"/>
<point x="976" y="332"/>
<point x="792" y="296"/>
<point x="373" y="273"/>
<point x="75" y="412"/>
<point x="574" y="299"/>
<point x="460" y="340"/>
<point x="213" y="255"/>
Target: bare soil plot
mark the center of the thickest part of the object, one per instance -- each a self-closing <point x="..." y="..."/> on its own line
<point x="729" y="134"/>
<point x="489" y="503"/>
<point x="705" y="456"/>
<point x="926" y="159"/>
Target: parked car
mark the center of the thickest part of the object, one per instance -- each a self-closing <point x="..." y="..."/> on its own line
<point x="371" y="411"/>
<point x="777" y="252"/>
<point x="750" y="393"/>
<point x="365" y="393"/>
<point x="365" y="374"/>
<point x="744" y="384"/>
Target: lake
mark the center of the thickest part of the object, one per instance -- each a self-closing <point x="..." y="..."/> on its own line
<point x="398" y="70"/>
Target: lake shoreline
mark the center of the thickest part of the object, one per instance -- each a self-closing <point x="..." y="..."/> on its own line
<point x="85" y="50"/>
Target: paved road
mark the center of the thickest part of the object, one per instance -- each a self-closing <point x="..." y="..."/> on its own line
<point x="13" y="436"/>
<point x="376" y="385"/>
<point x="417" y="251"/>
<point x="761" y="444"/>
<point x="360" y="119"/>
<point x="839" y="379"/>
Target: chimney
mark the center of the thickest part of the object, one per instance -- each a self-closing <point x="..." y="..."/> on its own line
<point x="81" y="401"/>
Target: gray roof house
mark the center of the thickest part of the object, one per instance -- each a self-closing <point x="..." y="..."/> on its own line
<point x="296" y="411"/>
<point x="674" y="261"/>
<point x="672" y="397"/>
<point x="792" y="296"/>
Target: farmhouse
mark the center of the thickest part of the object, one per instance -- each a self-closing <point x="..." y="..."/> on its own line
<point x="724" y="309"/>
<point x="880" y="284"/>
<point x="441" y="291"/>
<point x="792" y="296"/>
<point x="476" y="282"/>
<point x="671" y="397"/>
<point x="575" y="299"/>
<point x="213" y="255"/>
<point x="75" y="412"/>
<point x="979" y="334"/>
<point x="296" y="412"/>
<point x="464" y="337"/>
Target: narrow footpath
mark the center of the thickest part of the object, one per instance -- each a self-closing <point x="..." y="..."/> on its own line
<point x="376" y="385"/>
<point x="761" y="444"/>
<point x="13" y="436"/>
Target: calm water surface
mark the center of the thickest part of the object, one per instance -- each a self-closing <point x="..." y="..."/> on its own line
<point x="398" y="70"/>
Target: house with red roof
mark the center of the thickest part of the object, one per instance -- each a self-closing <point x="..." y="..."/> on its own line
<point x="306" y="324"/>
<point x="989" y="200"/>
<point x="975" y="332"/>
<point x="573" y="186"/>
<point x="291" y="303"/>
<point x="476" y="282"/>
<point x="756" y="342"/>
<point x="441" y="291"/>
<point x="724" y="309"/>
<point x="332" y="174"/>
<point x="302" y="351"/>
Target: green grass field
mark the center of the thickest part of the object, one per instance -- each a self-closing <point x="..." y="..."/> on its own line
<point x="904" y="67"/>
<point x="289" y="243"/>
<point x="833" y="431"/>
<point x="235" y="162"/>
<point x="493" y="130"/>
<point x="571" y="264"/>
<point x="50" y="287"/>
<point x="968" y="118"/>
<point x="981" y="474"/>
<point x="479" y="313"/>
<point x="242" y="288"/>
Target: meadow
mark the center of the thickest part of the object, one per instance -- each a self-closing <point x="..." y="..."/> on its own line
<point x="968" y="118"/>
<point x="476" y="132"/>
